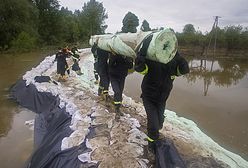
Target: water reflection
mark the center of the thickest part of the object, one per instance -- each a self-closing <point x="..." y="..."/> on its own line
<point x="221" y="72"/>
<point x="15" y="137"/>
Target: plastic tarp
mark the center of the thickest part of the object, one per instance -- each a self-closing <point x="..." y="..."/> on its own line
<point x="167" y="155"/>
<point x="51" y="126"/>
<point x="29" y="97"/>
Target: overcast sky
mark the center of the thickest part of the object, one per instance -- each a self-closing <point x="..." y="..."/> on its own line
<point x="174" y="13"/>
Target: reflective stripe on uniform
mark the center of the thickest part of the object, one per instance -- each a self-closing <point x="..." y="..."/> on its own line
<point x="145" y="71"/>
<point x="105" y="92"/>
<point x="173" y="77"/>
<point x="178" y="71"/>
<point x="150" y="139"/>
<point x="116" y="103"/>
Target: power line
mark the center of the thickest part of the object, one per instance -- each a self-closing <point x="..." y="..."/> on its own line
<point x="214" y="31"/>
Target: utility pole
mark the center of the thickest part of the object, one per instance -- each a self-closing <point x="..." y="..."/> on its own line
<point x="216" y="25"/>
<point x="213" y="31"/>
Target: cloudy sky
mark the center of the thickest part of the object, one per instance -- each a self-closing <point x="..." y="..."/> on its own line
<point x="173" y="13"/>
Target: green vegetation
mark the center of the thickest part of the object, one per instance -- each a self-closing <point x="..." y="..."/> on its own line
<point x="130" y="23"/>
<point x="230" y="38"/>
<point x="145" y="26"/>
<point x="27" y="24"/>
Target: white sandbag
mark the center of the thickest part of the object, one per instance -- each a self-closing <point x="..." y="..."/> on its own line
<point x="163" y="46"/>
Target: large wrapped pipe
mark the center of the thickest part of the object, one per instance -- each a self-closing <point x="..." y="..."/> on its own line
<point x="162" y="48"/>
<point x="113" y="43"/>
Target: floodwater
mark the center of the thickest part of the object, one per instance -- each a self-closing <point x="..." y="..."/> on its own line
<point x="16" y="139"/>
<point x="214" y="95"/>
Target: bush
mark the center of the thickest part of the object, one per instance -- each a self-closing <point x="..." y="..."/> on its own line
<point x="24" y="42"/>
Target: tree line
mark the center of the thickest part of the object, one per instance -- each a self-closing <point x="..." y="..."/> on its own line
<point x="31" y="23"/>
<point x="230" y="37"/>
<point x="26" y="24"/>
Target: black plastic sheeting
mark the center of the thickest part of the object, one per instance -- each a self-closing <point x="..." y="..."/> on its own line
<point x="41" y="79"/>
<point x="167" y="155"/>
<point x="29" y="97"/>
<point x="51" y="126"/>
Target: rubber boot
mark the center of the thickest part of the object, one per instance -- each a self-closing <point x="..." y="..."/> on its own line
<point x="79" y="72"/>
<point x="107" y="99"/>
<point x="118" y="112"/>
<point x="62" y="78"/>
<point x="100" y="90"/>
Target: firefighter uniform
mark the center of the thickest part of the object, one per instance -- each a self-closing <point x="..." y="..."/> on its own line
<point x="76" y="59"/>
<point x="61" y="63"/>
<point x="102" y="65"/>
<point x="94" y="51"/>
<point x="156" y="87"/>
<point x="118" y="70"/>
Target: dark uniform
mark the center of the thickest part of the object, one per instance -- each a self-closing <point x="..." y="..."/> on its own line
<point x="76" y="59"/>
<point x="156" y="87"/>
<point x="61" y="62"/>
<point x="94" y="51"/>
<point x="118" y="70"/>
<point x="102" y="65"/>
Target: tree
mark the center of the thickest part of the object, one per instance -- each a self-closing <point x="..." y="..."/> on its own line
<point x="130" y="23"/>
<point x="145" y="26"/>
<point x="69" y="26"/>
<point x="92" y="19"/>
<point x="244" y="39"/>
<point x="16" y="16"/>
<point x="189" y="29"/>
<point x="49" y="25"/>
<point x="232" y="34"/>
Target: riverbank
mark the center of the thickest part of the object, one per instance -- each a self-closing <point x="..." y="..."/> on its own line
<point x="200" y="52"/>
<point x="78" y="95"/>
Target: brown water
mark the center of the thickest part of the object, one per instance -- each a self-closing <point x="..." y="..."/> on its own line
<point x="215" y="96"/>
<point x="16" y="141"/>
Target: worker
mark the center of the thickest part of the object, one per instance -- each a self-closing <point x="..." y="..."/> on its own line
<point x="102" y="65"/>
<point x="94" y="52"/>
<point x="76" y="59"/>
<point x="156" y="87"/>
<point x="62" y="65"/>
<point x="118" y="70"/>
